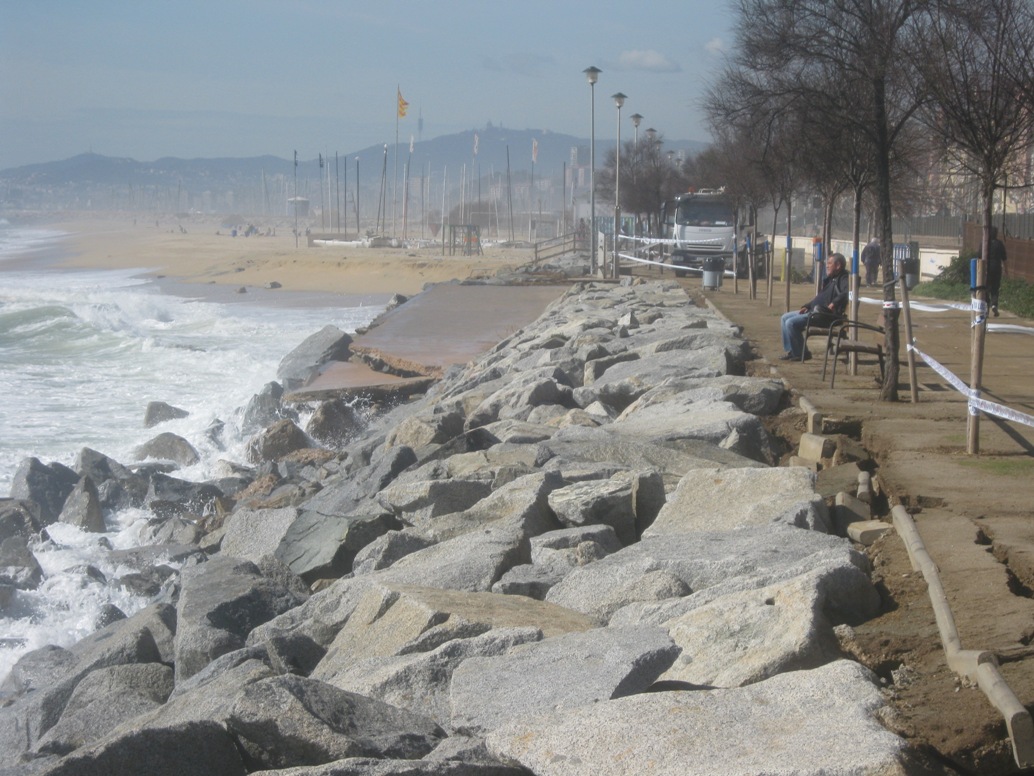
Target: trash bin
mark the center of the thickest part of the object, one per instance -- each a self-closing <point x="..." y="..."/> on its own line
<point x="910" y="269"/>
<point x="714" y="268"/>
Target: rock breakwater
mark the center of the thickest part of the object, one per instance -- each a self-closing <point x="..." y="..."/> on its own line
<point x="572" y="555"/>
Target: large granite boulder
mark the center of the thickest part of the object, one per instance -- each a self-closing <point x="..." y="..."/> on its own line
<point x="300" y="365"/>
<point x="563" y="672"/>
<point x="726" y="499"/>
<point x="82" y="508"/>
<point x="47" y="485"/>
<point x="804" y="722"/>
<point x="220" y="602"/>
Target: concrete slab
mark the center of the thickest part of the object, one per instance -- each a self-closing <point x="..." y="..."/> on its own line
<point x="452" y="324"/>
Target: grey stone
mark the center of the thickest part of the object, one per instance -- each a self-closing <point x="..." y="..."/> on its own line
<point x="18" y="566"/>
<point x="524" y="499"/>
<point x="531" y="580"/>
<point x="607" y="502"/>
<point x="174" y="530"/>
<point x="264" y="409"/>
<point x="751" y="635"/>
<point x="220" y="602"/>
<point x="419" y="681"/>
<point x="19" y="518"/>
<point x="168" y="447"/>
<point x="104" y="699"/>
<point x="727" y="499"/>
<point x="323" y="546"/>
<point x="571" y="538"/>
<point x="418" y="502"/>
<point x="287" y="720"/>
<point x="751" y="557"/>
<point x="198" y="748"/>
<point x="563" y="672"/>
<point x="427" y="428"/>
<point x="300" y="365"/>
<point x="805" y="722"/>
<point x="196" y="497"/>
<point x="47" y="485"/>
<point x="39" y="706"/>
<point x="334" y="423"/>
<point x="391" y="619"/>
<point x="253" y="533"/>
<point x="82" y="508"/>
<point x="386" y="549"/>
<point x="715" y="423"/>
<point x="474" y="561"/>
<point x="277" y="442"/>
<point x="159" y="412"/>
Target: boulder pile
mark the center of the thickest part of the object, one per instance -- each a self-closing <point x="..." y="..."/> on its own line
<point x="574" y="555"/>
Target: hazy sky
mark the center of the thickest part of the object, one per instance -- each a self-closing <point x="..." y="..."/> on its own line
<point x="192" y="78"/>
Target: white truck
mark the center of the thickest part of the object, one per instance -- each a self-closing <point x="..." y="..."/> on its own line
<point x="702" y="225"/>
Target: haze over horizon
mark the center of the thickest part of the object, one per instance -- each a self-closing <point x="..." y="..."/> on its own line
<point x="241" y="78"/>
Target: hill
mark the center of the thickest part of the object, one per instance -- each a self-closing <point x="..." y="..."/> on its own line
<point x="263" y="184"/>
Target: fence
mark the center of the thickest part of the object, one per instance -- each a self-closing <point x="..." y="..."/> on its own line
<point x="1020" y="252"/>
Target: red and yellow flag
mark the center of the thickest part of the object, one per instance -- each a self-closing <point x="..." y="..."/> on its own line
<point x="403" y="105"/>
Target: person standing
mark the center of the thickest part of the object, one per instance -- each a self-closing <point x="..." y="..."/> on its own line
<point x="830" y="302"/>
<point x="871" y="261"/>
<point x="995" y="269"/>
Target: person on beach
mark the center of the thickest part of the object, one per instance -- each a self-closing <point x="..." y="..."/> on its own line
<point x="995" y="269"/>
<point x="830" y="303"/>
<point x="871" y="261"/>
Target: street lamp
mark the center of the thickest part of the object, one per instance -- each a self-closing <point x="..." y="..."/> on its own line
<point x="636" y="160"/>
<point x="619" y="100"/>
<point x="592" y="74"/>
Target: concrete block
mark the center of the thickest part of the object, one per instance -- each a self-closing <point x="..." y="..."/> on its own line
<point x="814" y="447"/>
<point x="867" y="531"/>
<point x="846" y="510"/>
<point x="848" y="449"/>
<point x="865" y="487"/>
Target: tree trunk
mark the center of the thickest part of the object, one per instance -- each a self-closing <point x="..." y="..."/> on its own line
<point x="886" y="226"/>
<point x="789" y="251"/>
<point x="979" y="328"/>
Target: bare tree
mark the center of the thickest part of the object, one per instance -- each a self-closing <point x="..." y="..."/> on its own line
<point x="648" y="177"/>
<point x="979" y="73"/>
<point x="859" y="44"/>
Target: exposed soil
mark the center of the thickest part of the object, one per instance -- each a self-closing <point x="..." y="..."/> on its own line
<point x="973" y="513"/>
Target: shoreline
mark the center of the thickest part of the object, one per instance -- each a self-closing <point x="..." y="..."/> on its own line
<point x="206" y="255"/>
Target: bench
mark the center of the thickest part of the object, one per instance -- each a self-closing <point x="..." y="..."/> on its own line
<point x="842" y="342"/>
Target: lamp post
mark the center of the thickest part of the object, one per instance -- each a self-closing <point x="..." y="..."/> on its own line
<point x="619" y="100"/>
<point x="636" y="118"/>
<point x="592" y="74"/>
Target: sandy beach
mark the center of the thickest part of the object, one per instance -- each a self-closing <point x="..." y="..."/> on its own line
<point x="207" y="254"/>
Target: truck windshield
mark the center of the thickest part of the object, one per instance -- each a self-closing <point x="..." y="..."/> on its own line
<point x="697" y="212"/>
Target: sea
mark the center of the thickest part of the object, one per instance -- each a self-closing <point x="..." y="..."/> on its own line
<point x="82" y="353"/>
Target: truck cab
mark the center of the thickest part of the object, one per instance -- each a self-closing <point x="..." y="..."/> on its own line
<point x="702" y="224"/>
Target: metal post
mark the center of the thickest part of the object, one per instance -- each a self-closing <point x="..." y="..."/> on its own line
<point x="619" y="100"/>
<point x="592" y="74"/>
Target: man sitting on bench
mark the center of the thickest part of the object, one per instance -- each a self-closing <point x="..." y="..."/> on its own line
<point x="828" y="305"/>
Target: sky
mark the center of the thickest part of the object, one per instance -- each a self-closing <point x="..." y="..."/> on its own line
<point x="147" y="79"/>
